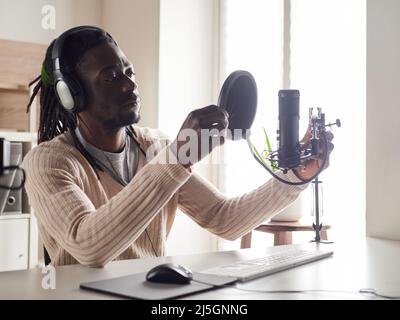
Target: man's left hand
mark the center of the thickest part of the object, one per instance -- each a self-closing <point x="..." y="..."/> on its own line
<point x="314" y="164"/>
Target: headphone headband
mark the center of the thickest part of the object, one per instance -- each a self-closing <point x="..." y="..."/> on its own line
<point x="69" y="92"/>
<point x="59" y="42"/>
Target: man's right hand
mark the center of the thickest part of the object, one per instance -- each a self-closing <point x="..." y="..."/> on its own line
<point x="202" y="131"/>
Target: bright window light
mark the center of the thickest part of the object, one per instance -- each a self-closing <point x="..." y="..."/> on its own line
<point x="327" y="65"/>
<point x="252" y="40"/>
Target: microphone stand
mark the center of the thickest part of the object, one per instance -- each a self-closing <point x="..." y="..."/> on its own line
<point x="317" y="225"/>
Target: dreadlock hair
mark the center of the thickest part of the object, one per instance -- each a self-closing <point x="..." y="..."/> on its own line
<point x="54" y="119"/>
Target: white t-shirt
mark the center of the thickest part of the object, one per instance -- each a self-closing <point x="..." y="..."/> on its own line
<point x="121" y="166"/>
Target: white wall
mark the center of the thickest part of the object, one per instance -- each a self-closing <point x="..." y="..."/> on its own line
<point x="135" y="26"/>
<point x="21" y="20"/>
<point x="383" y="119"/>
<point x="187" y="82"/>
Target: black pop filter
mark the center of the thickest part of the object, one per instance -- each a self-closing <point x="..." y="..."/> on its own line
<point x="238" y="97"/>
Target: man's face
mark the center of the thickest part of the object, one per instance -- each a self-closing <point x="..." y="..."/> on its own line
<point x="109" y="83"/>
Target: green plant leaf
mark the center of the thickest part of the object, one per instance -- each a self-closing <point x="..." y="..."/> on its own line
<point x="267" y="141"/>
<point x="257" y="154"/>
<point x="265" y="162"/>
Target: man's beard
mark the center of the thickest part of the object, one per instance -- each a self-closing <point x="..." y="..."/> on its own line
<point x="122" y="120"/>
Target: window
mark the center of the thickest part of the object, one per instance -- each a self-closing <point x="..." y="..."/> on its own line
<point x="251" y="36"/>
<point x="327" y="64"/>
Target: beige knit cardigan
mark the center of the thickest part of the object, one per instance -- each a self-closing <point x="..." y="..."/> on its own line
<point x="92" y="221"/>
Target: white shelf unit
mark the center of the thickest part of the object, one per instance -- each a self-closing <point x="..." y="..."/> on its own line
<point x="19" y="136"/>
<point x="20" y="63"/>
<point x="19" y="240"/>
<point x="15" y="242"/>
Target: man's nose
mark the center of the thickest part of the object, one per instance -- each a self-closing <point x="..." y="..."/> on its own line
<point x="129" y="85"/>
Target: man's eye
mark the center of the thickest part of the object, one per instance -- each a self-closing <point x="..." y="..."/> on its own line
<point x="112" y="75"/>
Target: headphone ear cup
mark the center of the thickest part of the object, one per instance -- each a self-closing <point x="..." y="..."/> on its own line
<point x="71" y="94"/>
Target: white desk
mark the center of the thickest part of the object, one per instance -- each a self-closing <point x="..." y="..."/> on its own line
<point x="371" y="263"/>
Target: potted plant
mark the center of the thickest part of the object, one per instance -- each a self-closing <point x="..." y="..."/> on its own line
<point x="294" y="211"/>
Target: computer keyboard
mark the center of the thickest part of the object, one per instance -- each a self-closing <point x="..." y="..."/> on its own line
<point x="286" y="258"/>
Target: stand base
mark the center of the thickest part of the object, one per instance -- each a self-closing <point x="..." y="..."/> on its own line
<point x="322" y="241"/>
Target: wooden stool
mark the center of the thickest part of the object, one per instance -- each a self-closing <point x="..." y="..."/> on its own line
<point x="282" y="232"/>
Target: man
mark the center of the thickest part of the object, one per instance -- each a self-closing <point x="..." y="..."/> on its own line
<point x="96" y="194"/>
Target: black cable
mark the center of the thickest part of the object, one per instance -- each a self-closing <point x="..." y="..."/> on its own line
<point x="12" y="188"/>
<point x="292" y="291"/>
<point x="137" y="144"/>
<point x="151" y="242"/>
<point x="132" y="135"/>
<point x="361" y="291"/>
<point x="289" y="182"/>
<point x="375" y="293"/>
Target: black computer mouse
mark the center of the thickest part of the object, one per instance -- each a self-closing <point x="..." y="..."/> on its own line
<point x="170" y="273"/>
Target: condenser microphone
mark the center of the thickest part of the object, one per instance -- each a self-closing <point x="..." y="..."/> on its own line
<point x="288" y="133"/>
